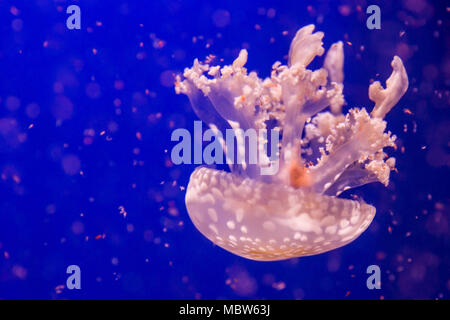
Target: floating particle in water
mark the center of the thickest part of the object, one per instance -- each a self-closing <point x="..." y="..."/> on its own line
<point x="279" y="285"/>
<point x="19" y="272"/>
<point x="167" y="78"/>
<point x="271" y="13"/>
<point x="59" y="289"/>
<point x="62" y="108"/>
<point x="77" y="227"/>
<point x="12" y="103"/>
<point x="93" y="90"/>
<point x="240" y="281"/>
<point x="221" y="18"/>
<point x="345" y="10"/>
<point x="71" y="164"/>
<point x="14" y="11"/>
<point x="17" y="25"/>
<point x="122" y="211"/>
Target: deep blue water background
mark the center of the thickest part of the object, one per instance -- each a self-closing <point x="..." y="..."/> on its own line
<point x="85" y="123"/>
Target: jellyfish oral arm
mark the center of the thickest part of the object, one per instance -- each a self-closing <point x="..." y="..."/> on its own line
<point x="361" y="138"/>
<point x="396" y="86"/>
<point x="356" y="139"/>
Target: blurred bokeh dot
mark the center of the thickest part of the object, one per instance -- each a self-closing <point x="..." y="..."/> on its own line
<point x="32" y="110"/>
<point x="221" y="18"/>
<point x="12" y="103"/>
<point x="71" y="164"/>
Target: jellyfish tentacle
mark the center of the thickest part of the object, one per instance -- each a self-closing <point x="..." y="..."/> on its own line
<point x="296" y="83"/>
<point x="354" y="176"/>
<point x="305" y="46"/>
<point x="204" y="109"/>
<point x="222" y="95"/>
<point x="396" y="86"/>
<point x="334" y="64"/>
<point x="354" y="139"/>
<point x="366" y="136"/>
<point x="306" y="93"/>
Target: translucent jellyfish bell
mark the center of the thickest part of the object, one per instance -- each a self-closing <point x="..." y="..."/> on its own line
<point x="264" y="221"/>
<point x="294" y="212"/>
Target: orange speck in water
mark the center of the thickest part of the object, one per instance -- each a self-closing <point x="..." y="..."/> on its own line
<point x="59" y="289"/>
<point x="16" y="178"/>
<point x="407" y="111"/>
<point x="299" y="175"/>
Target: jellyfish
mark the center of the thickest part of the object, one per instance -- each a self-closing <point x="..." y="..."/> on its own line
<point x="296" y="211"/>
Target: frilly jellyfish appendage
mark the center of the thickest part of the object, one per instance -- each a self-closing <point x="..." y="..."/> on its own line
<point x="295" y="211"/>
